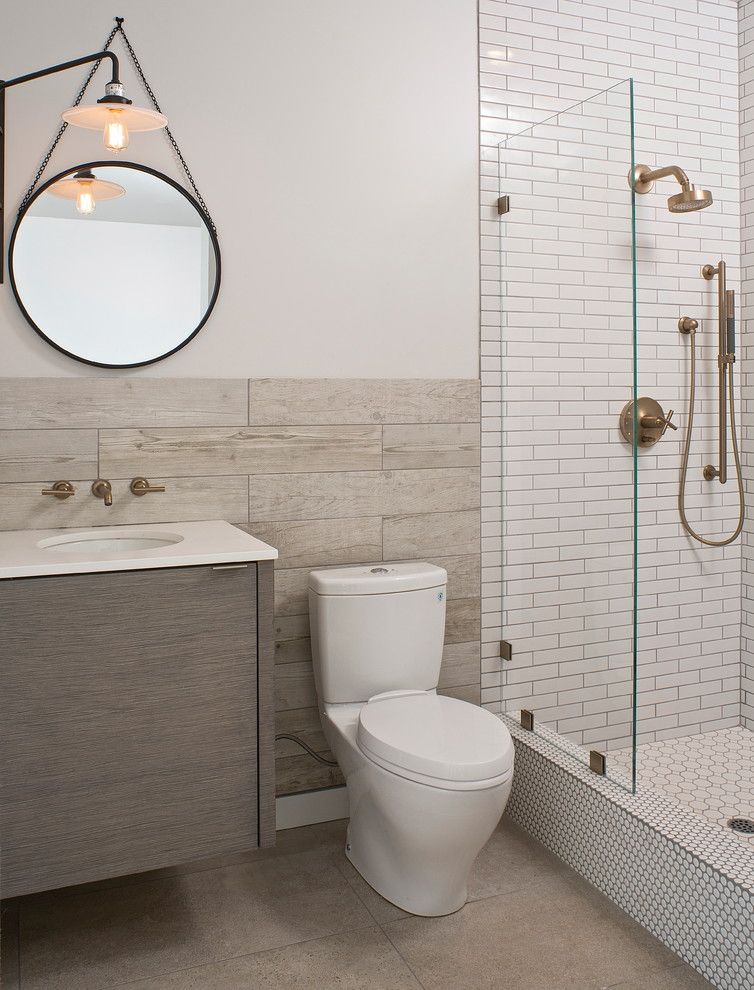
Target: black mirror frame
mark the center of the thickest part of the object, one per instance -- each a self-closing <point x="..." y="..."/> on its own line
<point x="139" y="168"/>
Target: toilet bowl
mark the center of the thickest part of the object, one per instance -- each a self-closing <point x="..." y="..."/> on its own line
<point x="428" y="776"/>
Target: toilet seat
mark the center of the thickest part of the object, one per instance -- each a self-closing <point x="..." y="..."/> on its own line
<point x="436" y="740"/>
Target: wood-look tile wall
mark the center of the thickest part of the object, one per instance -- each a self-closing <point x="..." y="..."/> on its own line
<point x="330" y="471"/>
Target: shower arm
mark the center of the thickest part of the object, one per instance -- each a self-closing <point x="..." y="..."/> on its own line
<point x="660" y="173"/>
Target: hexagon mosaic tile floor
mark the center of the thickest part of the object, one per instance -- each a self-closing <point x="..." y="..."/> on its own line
<point x="712" y="773"/>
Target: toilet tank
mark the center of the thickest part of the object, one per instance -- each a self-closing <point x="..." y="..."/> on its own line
<point x="376" y="628"/>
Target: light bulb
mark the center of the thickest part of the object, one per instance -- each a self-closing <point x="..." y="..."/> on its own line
<point x="85" y="198"/>
<point x="116" y="132"/>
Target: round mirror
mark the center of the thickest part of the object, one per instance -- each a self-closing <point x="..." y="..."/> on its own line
<point x="114" y="264"/>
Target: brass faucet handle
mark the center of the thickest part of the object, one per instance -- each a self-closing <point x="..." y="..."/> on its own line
<point x="658" y="423"/>
<point x="61" y="490"/>
<point x="667" y="422"/>
<point x="140" y="486"/>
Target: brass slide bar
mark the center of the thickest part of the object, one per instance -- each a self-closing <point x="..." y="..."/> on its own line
<point x="725" y="357"/>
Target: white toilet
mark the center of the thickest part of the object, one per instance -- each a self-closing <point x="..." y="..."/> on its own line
<point x="428" y="776"/>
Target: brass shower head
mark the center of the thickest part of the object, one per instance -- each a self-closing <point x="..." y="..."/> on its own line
<point x="642" y="179"/>
<point x="689" y="200"/>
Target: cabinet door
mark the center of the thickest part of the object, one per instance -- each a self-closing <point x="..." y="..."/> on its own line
<point x="128" y="722"/>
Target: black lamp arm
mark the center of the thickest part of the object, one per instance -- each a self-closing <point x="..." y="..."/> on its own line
<point x="6" y="84"/>
<point x="96" y="57"/>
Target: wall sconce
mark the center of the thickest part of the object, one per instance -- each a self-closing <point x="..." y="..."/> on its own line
<point x="114" y="114"/>
<point x="87" y="190"/>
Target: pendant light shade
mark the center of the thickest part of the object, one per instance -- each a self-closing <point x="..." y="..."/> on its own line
<point x="115" y="120"/>
<point x="115" y="116"/>
<point x="87" y="190"/>
<point x="98" y="115"/>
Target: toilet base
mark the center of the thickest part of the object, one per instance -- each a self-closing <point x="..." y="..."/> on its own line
<point x="414" y="844"/>
<point x="385" y="895"/>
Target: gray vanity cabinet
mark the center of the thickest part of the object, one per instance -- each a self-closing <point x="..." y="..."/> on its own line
<point x="136" y="721"/>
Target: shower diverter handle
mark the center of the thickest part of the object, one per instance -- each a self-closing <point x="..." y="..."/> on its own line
<point x="659" y="421"/>
<point x="650" y="419"/>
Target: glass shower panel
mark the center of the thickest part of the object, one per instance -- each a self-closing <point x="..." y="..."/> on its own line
<point x="568" y="499"/>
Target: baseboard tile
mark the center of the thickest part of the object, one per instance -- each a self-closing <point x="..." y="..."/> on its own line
<point x="295" y="810"/>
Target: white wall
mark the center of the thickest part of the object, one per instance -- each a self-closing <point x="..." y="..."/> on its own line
<point x="335" y="145"/>
<point x="566" y="498"/>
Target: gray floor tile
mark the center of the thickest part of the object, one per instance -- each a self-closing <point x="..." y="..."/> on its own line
<point x="509" y="861"/>
<point x="678" y="978"/>
<point x="381" y="910"/>
<point x="98" y="938"/>
<point x="560" y="934"/>
<point x="362" y="960"/>
<point x="300" y="916"/>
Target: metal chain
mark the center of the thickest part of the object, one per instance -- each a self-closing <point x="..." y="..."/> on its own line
<point x="64" y="125"/>
<point x="174" y="143"/>
<point x="148" y="89"/>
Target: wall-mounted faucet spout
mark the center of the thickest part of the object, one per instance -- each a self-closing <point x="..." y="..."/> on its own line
<point x="104" y="490"/>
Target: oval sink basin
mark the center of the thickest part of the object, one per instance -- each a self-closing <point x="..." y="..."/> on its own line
<point x="108" y="543"/>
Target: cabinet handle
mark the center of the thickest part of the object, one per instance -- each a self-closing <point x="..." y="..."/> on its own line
<point x="229" y="567"/>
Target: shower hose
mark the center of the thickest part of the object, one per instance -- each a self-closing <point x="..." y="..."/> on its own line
<point x="685" y="458"/>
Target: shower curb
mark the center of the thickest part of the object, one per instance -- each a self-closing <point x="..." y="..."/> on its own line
<point x="682" y="878"/>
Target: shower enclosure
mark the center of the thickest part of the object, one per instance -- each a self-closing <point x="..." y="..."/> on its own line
<point x="622" y="628"/>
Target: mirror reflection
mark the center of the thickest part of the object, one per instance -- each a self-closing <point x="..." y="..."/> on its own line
<point x="114" y="264"/>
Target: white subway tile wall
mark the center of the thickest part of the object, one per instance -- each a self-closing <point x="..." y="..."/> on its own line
<point x="556" y="364"/>
<point x="746" y="93"/>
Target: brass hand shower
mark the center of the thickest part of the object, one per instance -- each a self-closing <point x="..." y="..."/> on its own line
<point x="725" y="360"/>
<point x="642" y="178"/>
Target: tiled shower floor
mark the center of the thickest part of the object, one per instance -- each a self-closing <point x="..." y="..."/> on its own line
<point x="712" y="773"/>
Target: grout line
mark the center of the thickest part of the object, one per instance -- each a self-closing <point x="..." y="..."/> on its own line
<point x="48" y="429"/>
<point x="336" y="471"/>
<point x="243" y="955"/>
<point x="199" y="425"/>
<point x="398" y="951"/>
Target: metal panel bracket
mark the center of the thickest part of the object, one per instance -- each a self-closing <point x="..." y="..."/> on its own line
<point x="503" y="205"/>
<point x="506" y="650"/>
<point x="527" y="720"/>
<point x="597" y="762"/>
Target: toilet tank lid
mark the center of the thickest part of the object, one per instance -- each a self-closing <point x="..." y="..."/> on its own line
<point x="377" y="579"/>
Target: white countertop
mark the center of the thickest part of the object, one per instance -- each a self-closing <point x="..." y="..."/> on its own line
<point x="28" y="552"/>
